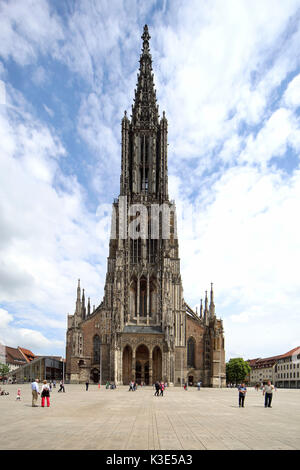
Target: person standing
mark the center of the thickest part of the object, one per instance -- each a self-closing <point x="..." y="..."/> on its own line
<point x="162" y="387"/>
<point x="86" y="385"/>
<point x="268" y="393"/>
<point x="199" y="385"/>
<point x="45" y="393"/>
<point x="35" y="392"/>
<point x="156" y="389"/>
<point x="242" y="393"/>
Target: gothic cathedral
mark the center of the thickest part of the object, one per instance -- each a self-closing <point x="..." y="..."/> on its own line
<point x="143" y="330"/>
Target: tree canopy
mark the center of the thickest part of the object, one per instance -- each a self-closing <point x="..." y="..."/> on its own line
<point x="4" y="370"/>
<point x="237" y="370"/>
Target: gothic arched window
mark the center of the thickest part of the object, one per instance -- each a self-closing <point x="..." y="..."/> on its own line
<point x="191" y="352"/>
<point x="96" y="348"/>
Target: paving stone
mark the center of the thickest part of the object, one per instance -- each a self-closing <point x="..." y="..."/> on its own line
<point x="116" y="419"/>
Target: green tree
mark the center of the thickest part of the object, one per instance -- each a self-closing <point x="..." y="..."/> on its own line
<point x="237" y="370"/>
<point x="4" y="370"/>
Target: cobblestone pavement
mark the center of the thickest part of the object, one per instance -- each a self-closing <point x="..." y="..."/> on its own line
<point x="118" y="419"/>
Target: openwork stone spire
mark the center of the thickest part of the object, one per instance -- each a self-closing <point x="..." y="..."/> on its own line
<point x="145" y="109"/>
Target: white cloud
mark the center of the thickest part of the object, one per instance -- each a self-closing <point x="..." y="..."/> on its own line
<point x="23" y="35"/>
<point x="219" y="68"/>
<point x="280" y="130"/>
<point x="291" y="96"/>
<point x="27" y="338"/>
<point x="46" y="240"/>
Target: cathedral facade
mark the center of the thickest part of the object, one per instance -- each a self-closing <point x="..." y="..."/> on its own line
<point x="143" y="330"/>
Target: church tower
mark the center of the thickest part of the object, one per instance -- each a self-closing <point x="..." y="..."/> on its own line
<point x="143" y="283"/>
<point x="139" y="330"/>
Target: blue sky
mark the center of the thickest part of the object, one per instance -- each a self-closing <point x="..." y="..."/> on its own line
<point x="228" y="77"/>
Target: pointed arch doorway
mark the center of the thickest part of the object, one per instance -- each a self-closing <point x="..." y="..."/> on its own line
<point x="142" y="364"/>
<point x="127" y="365"/>
<point x="156" y="364"/>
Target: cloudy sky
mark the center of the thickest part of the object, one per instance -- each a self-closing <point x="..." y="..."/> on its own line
<point x="227" y="73"/>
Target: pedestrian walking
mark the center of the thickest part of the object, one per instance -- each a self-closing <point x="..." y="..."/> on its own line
<point x="18" y="394"/>
<point x="157" y="388"/>
<point x="50" y="386"/>
<point x="62" y="387"/>
<point x="35" y="392"/>
<point x="242" y="393"/>
<point x="86" y="385"/>
<point x="54" y="383"/>
<point x="268" y="390"/>
<point x="199" y="384"/>
<point x="162" y="387"/>
<point x="45" y="393"/>
<point x="185" y="386"/>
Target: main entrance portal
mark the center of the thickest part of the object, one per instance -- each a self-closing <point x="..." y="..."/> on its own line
<point x="142" y="365"/>
<point x="145" y="366"/>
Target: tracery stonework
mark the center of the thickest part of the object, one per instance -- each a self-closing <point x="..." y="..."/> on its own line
<point x="143" y="330"/>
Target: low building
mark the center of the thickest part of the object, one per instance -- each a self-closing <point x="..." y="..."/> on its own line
<point x="42" y="368"/>
<point x="263" y="369"/>
<point x="288" y="369"/>
<point x="283" y="370"/>
<point x="14" y="358"/>
<point x="249" y="377"/>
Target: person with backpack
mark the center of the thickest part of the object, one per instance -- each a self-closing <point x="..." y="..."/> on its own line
<point x="45" y="393"/>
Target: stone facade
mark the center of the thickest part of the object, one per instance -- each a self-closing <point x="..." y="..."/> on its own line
<point x="143" y="330"/>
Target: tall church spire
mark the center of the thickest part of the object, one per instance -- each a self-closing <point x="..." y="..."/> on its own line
<point x="145" y="109"/>
<point x="144" y="167"/>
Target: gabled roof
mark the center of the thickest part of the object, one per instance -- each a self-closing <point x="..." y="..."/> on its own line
<point x="291" y="352"/>
<point x="14" y="356"/>
<point x="252" y="362"/>
<point x="29" y="356"/>
<point x="266" y="362"/>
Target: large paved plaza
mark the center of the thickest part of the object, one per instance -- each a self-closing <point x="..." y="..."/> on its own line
<point x="118" y="419"/>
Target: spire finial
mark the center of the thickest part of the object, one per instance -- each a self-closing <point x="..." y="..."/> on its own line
<point x="205" y="307"/>
<point x="145" y="36"/>
<point x="211" y="305"/>
<point x="78" y="290"/>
